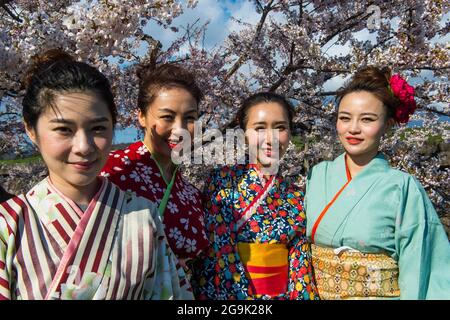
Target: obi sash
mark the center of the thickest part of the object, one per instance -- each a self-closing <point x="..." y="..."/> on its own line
<point x="354" y="275"/>
<point x="266" y="266"/>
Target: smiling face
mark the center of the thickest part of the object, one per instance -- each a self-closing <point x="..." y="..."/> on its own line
<point x="361" y="123"/>
<point x="267" y="132"/>
<point x="74" y="138"/>
<point x="173" y="111"/>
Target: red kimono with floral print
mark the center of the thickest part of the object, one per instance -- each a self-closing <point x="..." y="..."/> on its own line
<point x="134" y="169"/>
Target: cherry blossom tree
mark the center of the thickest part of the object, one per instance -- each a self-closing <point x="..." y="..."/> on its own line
<point x="296" y="48"/>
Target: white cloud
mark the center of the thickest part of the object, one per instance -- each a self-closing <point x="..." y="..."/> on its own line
<point x="245" y="12"/>
<point x="335" y="83"/>
<point x="218" y="13"/>
<point x="206" y="10"/>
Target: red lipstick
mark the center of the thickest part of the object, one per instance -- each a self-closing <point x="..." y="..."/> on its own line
<point x="353" y="140"/>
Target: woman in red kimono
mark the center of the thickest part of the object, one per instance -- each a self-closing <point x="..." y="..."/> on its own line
<point x="168" y="104"/>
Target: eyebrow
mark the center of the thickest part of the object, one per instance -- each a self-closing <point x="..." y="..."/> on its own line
<point x="363" y="114"/>
<point x="173" y="112"/>
<point x="263" y="122"/>
<point x="280" y="122"/>
<point x="64" y="121"/>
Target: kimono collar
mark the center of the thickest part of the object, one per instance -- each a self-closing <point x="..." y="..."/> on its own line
<point x="378" y="163"/>
<point x="160" y="167"/>
<point x="72" y="203"/>
<point x="340" y="180"/>
<point x="263" y="178"/>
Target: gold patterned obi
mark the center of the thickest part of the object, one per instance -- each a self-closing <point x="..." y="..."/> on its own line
<point x="354" y="275"/>
<point x="266" y="266"/>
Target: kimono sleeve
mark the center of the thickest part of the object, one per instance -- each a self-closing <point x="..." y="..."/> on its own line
<point x="204" y="272"/>
<point x="115" y="169"/>
<point x="4" y="276"/>
<point x="307" y="184"/>
<point x="209" y="194"/>
<point x="422" y="246"/>
<point x="313" y="189"/>
<point x="301" y="284"/>
<point x="169" y="281"/>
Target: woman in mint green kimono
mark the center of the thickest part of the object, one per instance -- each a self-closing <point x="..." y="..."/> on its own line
<point x="374" y="231"/>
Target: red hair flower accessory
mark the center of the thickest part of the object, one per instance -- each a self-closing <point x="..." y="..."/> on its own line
<point x="405" y="93"/>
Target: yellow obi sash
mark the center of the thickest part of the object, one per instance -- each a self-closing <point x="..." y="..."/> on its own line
<point x="266" y="266"/>
<point x="354" y="275"/>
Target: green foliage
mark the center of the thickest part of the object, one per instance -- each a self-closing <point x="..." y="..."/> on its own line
<point x="298" y="141"/>
<point x="28" y="160"/>
<point x="431" y="139"/>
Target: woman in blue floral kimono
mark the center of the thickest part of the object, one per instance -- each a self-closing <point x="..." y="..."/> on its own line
<point x="374" y="230"/>
<point x="254" y="218"/>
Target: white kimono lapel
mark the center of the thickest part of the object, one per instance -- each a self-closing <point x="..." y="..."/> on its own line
<point x="85" y="256"/>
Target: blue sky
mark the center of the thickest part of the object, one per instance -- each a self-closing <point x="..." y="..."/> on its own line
<point x="218" y="14"/>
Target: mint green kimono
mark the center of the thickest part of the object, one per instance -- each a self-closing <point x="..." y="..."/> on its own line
<point x="382" y="210"/>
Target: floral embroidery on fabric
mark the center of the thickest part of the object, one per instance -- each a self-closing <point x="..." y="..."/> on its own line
<point x="135" y="170"/>
<point x="278" y="219"/>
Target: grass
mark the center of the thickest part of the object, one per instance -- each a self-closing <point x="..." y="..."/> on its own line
<point x="37" y="157"/>
<point x="435" y="139"/>
<point x="431" y="139"/>
<point x="298" y="142"/>
<point x="27" y="160"/>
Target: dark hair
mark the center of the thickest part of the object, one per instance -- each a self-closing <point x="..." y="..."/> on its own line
<point x="165" y="76"/>
<point x="55" y="72"/>
<point x="4" y="195"/>
<point x="262" y="97"/>
<point x="375" y="81"/>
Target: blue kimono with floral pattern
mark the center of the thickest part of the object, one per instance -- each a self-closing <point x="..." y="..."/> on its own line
<point x="278" y="219"/>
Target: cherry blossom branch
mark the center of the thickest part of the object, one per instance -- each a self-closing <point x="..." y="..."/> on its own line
<point x="4" y="4"/>
<point x="242" y="59"/>
<point x="4" y="114"/>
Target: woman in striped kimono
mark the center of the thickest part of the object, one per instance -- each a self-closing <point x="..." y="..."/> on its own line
<point x="168" y="107"/>
<point x="374" y="230"/>
<point x="254" y="218"/>
<point x="74" y="235"/>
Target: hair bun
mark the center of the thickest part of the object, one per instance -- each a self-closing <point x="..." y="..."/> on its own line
<point x="374" y="74"/>
<point x="143" y="70"/>
<point x="40" y="61"/>
<point x="386" y="71"/>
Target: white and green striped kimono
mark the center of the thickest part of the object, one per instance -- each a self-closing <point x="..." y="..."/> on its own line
<point x="115" y="249"/>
